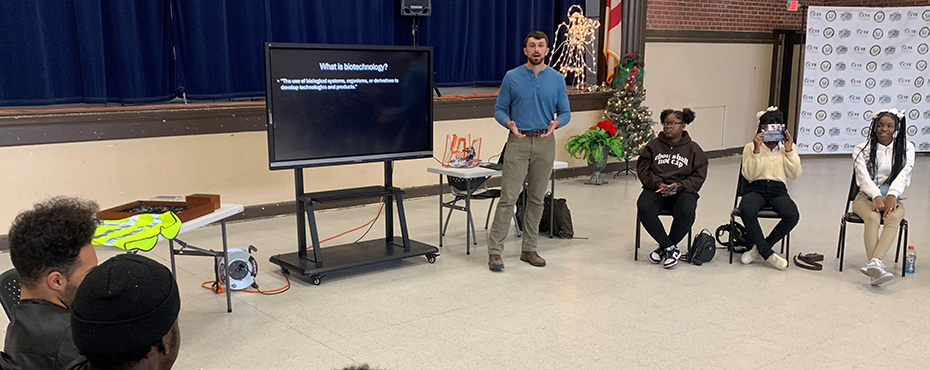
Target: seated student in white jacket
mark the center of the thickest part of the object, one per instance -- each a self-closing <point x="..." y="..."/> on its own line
<point x="883" y="170"/>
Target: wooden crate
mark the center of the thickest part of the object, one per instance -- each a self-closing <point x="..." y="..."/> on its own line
<point x="195" y="205"/>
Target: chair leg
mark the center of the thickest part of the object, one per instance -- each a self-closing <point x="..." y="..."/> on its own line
<point x="904" y="265"/>
<point x="449" y="217"/>
<point x="897" y="251"/>
<point x="517" y="226"/>
<point x="730" y="239"/>
<point x="788" y="245"/>
<point x="842" y="247"/>
<point x="488" y="220"/>
<point x="636" y="246"/>
<point x="840" y="237"/>
<point x="471" y="221"/>
<point x="689" y="238"/>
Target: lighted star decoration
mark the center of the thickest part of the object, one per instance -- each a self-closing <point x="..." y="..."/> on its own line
<point x="579" y="41"/>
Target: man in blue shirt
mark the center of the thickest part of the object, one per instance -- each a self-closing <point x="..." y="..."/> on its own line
<point x="532" y="104"/>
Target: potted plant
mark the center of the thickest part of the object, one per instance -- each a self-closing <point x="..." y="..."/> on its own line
<point x="595" y="145"/>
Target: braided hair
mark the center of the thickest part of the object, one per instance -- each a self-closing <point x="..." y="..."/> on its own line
<point x="899" y="146"/>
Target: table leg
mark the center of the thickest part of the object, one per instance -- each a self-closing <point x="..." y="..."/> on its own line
<point x="226" y="266"/>
<point x="467" y="216"/>
<point x="440" y="210"/>
<point x="174" y="269"/>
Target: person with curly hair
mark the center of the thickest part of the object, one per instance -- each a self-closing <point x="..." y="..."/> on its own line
<point x="50" y="246"/>
<point x="767" y="165"/>
<point x="672" y="169"/>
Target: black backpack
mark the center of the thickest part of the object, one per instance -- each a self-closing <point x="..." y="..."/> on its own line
<point x="741" y="241"/>
<point x="702" y="249"/>
<point x="561" y="214"/>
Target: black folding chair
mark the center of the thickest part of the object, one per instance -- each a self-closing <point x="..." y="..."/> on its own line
<point x="742" y="187"/>
<point x="9" y="291"/>
<point x="849" y="216"/>
<point x="639" y="226"/>
<point x="460" y="188"/>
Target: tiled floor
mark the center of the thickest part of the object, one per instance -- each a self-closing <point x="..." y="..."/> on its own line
<point x="592" y="307"/>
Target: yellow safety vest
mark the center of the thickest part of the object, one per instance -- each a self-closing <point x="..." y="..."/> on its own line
<point x="137" y="232"/>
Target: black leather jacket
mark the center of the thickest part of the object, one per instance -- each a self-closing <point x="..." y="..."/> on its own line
<point x="39" y="336"/>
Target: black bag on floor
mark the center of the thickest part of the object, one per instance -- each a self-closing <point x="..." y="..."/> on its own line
<point x="741" y="241"/>
<point x="561" y="214"/>
<point x="702" y="249"/>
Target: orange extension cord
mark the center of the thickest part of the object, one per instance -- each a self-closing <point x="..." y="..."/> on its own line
<point x="216" y="288"/>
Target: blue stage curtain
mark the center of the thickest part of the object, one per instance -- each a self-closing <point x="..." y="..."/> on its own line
<point x="104" y="51"/>
<point x="89" y="51"/>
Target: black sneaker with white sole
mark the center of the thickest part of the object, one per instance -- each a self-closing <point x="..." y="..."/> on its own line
<point x="672" y="254"/>
<point x="657" y="255"/>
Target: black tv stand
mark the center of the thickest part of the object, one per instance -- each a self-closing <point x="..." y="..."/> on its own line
<point x="311" y="268"/>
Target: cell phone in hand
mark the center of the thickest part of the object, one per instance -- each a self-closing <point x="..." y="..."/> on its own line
<point x="669" y="189"/>
<point x="773" y="133"/>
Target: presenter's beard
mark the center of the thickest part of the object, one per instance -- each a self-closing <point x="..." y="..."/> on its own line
<point x="535" y="59"/>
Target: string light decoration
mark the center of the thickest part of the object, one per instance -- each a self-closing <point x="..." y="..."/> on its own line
<point x="578" y="42"/>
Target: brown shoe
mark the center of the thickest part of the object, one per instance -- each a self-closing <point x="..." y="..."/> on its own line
<point x="495" y="263"/>
<point x="532" y="258"/>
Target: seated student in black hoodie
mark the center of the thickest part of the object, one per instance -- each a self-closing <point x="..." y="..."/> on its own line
<point x="672" y="169"/>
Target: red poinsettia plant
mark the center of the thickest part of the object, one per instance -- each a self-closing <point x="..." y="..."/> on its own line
<point x="591" y="144"/>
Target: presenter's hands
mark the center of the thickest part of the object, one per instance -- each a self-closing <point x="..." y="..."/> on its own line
<point x="878" y="205"/>
<point x="789" y="142"/>
<point x="757" y="142"/>
<point x="554" y="124"/>
<point x="891" y="205"/>
<point x="512" y="126"/>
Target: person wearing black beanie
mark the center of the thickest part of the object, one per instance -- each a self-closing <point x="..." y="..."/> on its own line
<point x="125" y="316"/>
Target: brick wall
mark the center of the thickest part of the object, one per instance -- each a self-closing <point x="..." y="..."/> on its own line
<point x="742" y="15"/>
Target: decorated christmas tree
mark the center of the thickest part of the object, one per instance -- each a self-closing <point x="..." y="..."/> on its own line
<point x="632" y="119"/>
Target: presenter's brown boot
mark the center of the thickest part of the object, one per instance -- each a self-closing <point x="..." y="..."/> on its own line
<point x="495" y="263"/>
<point x="532" y="258"/>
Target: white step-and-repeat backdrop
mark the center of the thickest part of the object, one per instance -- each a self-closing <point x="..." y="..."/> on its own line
<point x="859" y="61"/>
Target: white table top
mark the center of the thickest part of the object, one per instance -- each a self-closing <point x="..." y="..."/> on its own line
<point x="476" y="172"/>
<point x="226" y="210"/>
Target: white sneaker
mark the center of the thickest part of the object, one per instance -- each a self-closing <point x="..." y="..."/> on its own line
<point x="873" y="269"/>
<point x="777" y="261"/>
<point x="884" y="278"/>
<point x="750" y="256"/>
<point x="672" y="254"/>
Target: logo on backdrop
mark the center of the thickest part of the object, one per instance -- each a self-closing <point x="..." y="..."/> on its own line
<point x="925" y="32"/>
<point x="926" y="129"/>
<point x="887" y="66"/>
<point x="886" y="82"/>
<point x="849" y="146"/>
<point x="864" y="15"/>
<point x="819" y="131"/>
<point x="833" y="147"/>
<point x="927" y="116"/>
<point x="825" y="66"/>
<point x="854" y="99"/>
<point x="871" y="66"/>
<point x="804" y="146"/>
<point x="809" y="81"/>
<point x="884" y="99"/>
<point x="829" y="32"/>
<point x="910" y="32"/>
<point x="840" y="66"/>
<point x="907" y="48"/>
<point x="877" y="33"/>
<point x="813" y="31"/>
<point x="921" y="65"/>
<point x="818" y="147"/>
<point x="870" y="82"/>
<point x="923" y="49"/>
<point x="894" y="33"/>
<point x="823" y="99"/>
<point x="890" y="50"/>
<point x="862" y="33"/>
<point x="855" y="82"/>
<point x="905" y="65"/>
<point x="923" y="146"/>
<point x="926" y="15"/>
<point x="912" y="14"/>
<point x="904" y="81"/>
<point x="836" y="115"/>
<point x="856" y="66"/>
<point x="903" y="98"/>
<point x="867" y="115"/>
<point x="859" y="49"/>
<point x="834" y="131"/>
<point x="845" y="33"/>
<point x="842" y="50"/>
<point x="821" y="115"/>
<point x="879" y="17"/>
<point x="875" y="50"/>
<point x="824" y="82"/>
<point x="831" y="16"/>
<point x="807" y="98"/>
<point x="812" y="48"/>
<point x="846" y="16"/>
<point x="864" y="131"/>
<point x="838" y="99"/>
<point x="895" y="17"/>
<point x="913" y="114"/>
<point x="816" y="14"/>
<point x="826" y="49"/>
<point x="911" y="130"/>
<point x="915" y="99"/>
<point x="805" y="115"/>
<point x="852" y="115"/>
<point x="919" y="82"/>
<point x="869" y="99"/>
<point x="810" y="65"/>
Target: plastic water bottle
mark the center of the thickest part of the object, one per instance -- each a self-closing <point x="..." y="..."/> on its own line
<point x="910" y="259"/>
